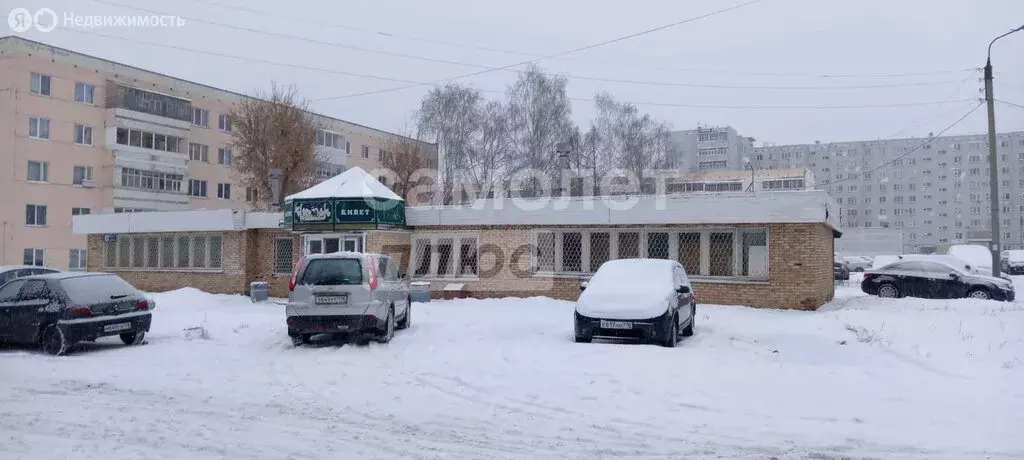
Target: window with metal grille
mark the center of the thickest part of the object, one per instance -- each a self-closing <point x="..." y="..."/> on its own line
<point x="546" y="251"/>
<point x="124" y="252"/>
<point x="720" y="254"/>
<point x="444" y="256"/>
<point x="199" y="252"/>
<point x="629" y="245"/>
<point x="138" y="252"/>
<point x="167" y="252"/>
<point x="423" y="253"/>
<point x="215" y="252"/>
<point x="657" y="245"/>
<point x="689" y="252"/>
<point x="600" y="249"/>
<point x="283" y="255"/>
<point x="152" y="252"/>
<point x="110" y="254"/>
<point x="183" y="251"/>
<point x="572" y="252"/>
<point x="467" y="256"/>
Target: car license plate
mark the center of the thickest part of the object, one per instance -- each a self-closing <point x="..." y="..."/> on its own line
<point x="117" y="327"/>
<point x="330" y="299"/>
<point x="616" y="324"/>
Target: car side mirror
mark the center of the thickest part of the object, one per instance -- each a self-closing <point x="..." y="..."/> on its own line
<point x="583" y="285"/>
<point x="954" y="275"/>
<point x="683" y="289"/>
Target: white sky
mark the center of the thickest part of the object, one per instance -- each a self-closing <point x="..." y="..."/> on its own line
<point x="799" y="38"/>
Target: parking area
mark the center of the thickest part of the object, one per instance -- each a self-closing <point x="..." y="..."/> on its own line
<point x="502" y="378"/>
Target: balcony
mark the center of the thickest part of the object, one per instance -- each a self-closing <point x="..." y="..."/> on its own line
<point x="160" y="106"/>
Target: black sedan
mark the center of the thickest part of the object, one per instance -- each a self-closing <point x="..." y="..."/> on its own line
<point x="933" y="280"/>
<point x="61" y="309"/>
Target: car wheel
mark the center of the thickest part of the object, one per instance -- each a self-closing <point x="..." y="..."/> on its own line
<point x="407" y="319"/>
<point x="389" y="327"/>
<point x="859" y="269"/>
<point x="889" y="291"/>
<point x="688" y="330"/>
<point x="301" y="339"/>
<point x="133" y="338"/>
<point x="53" y="341"/>
<point x="673" y="334"/>
<point x="979" y="293"/>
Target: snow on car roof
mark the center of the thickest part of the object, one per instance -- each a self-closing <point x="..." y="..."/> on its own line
<point x="632" y="272"/>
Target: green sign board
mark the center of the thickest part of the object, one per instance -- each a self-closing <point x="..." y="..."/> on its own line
<point x="344" y="213"/>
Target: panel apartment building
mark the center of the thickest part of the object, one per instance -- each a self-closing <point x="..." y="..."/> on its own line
<point x="937" y="195"/>
<point x="82" y="135"/>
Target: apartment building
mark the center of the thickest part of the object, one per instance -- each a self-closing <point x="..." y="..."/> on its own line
<point x="936" y="189"/>
<point x="711" y="149"/>
<point x="84" y="135"/>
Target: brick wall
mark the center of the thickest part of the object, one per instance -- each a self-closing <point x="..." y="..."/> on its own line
<point x="229" y="279"/>
<point x="800" y="269"/>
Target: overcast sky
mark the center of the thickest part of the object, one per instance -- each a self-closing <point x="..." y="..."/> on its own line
<point x="773" y="43"/>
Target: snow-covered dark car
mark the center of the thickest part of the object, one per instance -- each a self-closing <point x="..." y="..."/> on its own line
<point x="934" y="280"/>
<point x="646" y="299"/>
<point x="9" y="272"/>
<point x="59" y="310"/>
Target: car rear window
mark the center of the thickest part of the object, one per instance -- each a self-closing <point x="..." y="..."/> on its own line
<point x="91" y="290"/>
<point x="332" y="271"/>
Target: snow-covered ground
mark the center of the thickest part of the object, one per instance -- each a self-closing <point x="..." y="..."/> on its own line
<point x="496" y="379"/>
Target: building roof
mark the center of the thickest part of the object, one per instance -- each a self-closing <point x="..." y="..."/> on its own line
<point x="777" y="207"/>
<point x="733" y="175"/>
<point x="798" y="206"/>
<point x="354" y="183"/>
<point x="173" y="221"/>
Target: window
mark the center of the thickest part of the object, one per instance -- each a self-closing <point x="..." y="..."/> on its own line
<point x="348" y="148"/>
<point x="283" y="255"/>
<point x="712" y="136"/>
<point x="897" y="187"/>
<point x="77" y="260"/>
<point x="366" y="151"/>
<point x="329" y="139"/>
<point x="714" y="151"/>
<point x="198" y="152"/>
<point x="881" y="199"/>
<point x="83" y="135"/>
<point x="200" y="117"/>
<point x="151" y="180"/>
<point x="35" y="215"/>
<point x="224" y="123"/>
<point x="148" y="140"/>
<point x="783" y="184"/>
<point x="224" y="191"/>
<point x="446" y="255"/>
<point x="224" y="157"/>
<point x="40" y="84"/>
<point x="85" y="93"/>
<point x="80" y="211"/>
<point x="545" y="261"/>
<point x="39" y="128"/>
<point x="35" y="257"/>
<point x="164" y="252"/>
<point x="197" y="188"/>
<point x="708" y="165"/>
<point x="81" y="175"/>
<point x="38" y="171"/>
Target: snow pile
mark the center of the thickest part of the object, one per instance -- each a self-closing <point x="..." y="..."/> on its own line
<point x="502" y="379"/>
<point x="629" y="289"/>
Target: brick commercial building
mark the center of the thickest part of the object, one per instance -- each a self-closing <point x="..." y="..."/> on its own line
<point x="765" y="249"/>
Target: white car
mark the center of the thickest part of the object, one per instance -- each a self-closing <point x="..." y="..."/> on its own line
<point x="646" y="299"/>
<point x="857" y="263"/>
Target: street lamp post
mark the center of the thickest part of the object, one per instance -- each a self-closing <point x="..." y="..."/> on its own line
<point x="993" y="158"/>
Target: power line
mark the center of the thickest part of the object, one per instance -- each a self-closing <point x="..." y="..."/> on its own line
<point x="918" y="147"/>
<point x="1011" y="104"/>
<point x="377" y="77"/>
<point x="564" y="53"/>
<point x="305" y="20"/>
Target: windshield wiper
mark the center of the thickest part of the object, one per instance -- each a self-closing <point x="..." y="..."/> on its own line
<point x="115" y="297"/>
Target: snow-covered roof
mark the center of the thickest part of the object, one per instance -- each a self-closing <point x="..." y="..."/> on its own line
<point x="173" y="221"/>
<point x="801" y="206"/>
<point x="354" y="183"/>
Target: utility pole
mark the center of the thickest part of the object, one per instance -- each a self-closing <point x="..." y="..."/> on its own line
<point x="993" y="158"/>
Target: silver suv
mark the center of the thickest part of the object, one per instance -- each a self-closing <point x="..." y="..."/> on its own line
<point x="356" y="295"/>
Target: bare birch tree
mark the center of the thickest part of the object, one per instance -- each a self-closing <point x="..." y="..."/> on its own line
<point x="270" y="131"/>
<point x="540" y="117"/>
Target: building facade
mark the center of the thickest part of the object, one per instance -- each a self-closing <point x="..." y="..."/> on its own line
<point x="711" y="149"/>
<point x="84" y="135"/>
<point x="770" y="249"/>
<point x="935" y="190"/>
